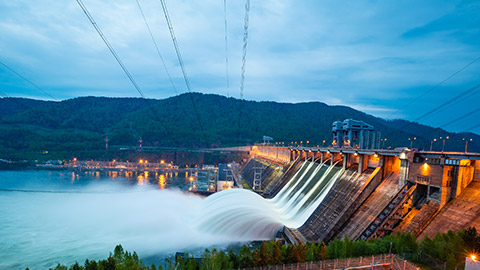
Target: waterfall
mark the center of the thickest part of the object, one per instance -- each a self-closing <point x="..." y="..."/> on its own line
<point x="244" y="213"/>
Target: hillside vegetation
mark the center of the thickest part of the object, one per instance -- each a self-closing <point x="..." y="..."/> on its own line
<point x="41" y="129"/>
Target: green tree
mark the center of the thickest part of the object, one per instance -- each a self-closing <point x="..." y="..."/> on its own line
<point x="245" y="257"/>
<point x="233" y="259"/>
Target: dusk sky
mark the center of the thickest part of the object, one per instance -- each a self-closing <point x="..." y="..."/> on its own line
<point x="375" y="56"/>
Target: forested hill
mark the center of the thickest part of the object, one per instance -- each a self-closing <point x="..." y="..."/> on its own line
<point x="80" y="124"/>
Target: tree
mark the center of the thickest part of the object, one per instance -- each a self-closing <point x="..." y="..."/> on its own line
<point x="245" y="257"/>
<point x="265" y="254"/>
<point x="233" y="259"/>
<point x="257" y="258"/>
<point x="277" y="253"/>
<point x="206" y="260"/>
<point x="322" y="251"/>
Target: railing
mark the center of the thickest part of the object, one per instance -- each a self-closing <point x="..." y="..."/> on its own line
<point x="383" y="261"/>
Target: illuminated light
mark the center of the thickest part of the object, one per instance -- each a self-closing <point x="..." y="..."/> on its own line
<point x="473" y="257"/>
<point x="114" y="160"/>
<point x="74" y="159"/>
<point x="140" y="161"/>
<point x="146" y="161"/>
<point x="355" y="154"/>
<point x="425" y="166"/>
<point x="162" y="161"/>
<point x="403" y="155"/>
<point x="375" y="155"/>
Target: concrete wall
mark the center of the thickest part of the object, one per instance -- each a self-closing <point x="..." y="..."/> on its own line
<point x="465" y="176"/>
<point x="476" y="165"/>
<point x="278" y="154"/>
<point x="422" y="171"/>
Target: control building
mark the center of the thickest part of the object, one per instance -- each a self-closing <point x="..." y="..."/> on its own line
<point x="355" y="134"/>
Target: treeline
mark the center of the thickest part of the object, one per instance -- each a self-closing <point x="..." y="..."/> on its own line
<point x="30" y="129"/>
<point x="443" y="251"/>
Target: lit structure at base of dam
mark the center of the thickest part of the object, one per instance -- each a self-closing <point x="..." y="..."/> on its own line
<point x="396" y="190"/>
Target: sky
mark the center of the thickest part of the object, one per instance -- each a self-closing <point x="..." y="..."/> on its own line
<point x="375" y="56"/>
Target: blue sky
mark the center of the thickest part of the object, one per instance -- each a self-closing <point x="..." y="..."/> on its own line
<point x="375" y="56"/>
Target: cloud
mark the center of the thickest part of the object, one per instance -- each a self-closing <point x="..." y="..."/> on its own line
<point x="362" y="54"/>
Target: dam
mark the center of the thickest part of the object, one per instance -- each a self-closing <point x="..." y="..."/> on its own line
<point x="314" y="194"/>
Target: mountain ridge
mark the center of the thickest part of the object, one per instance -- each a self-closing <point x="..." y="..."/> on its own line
<point x="83" y="122"/>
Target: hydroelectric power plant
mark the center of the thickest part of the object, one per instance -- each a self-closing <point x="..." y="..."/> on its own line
<point x="322" y="193"/>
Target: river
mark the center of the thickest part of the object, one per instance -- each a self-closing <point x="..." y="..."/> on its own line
<point x="50" y="217"/>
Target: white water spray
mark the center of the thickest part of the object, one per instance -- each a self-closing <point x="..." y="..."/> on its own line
<point x="244" y="213"/>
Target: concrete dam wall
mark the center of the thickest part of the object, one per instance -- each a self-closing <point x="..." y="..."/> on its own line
<point x="325" y="193"/>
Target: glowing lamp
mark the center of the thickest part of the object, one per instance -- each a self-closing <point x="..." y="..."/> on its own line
<point x="473" y="257"/>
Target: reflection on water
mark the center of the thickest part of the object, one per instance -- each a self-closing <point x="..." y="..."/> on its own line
<point x="74" y="216"/>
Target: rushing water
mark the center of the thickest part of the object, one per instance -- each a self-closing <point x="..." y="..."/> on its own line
<point x="56" y="216"/>
<point x="50" y="216"/>
<point x="241" y="212"/>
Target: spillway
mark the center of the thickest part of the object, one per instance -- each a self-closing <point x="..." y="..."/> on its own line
<point x="244" y="213"/>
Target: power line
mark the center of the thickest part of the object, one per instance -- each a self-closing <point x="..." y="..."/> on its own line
<point x="452" y="121"/>
<point x="226" y="43"/>
<point x="27" y="80"/>
<point x="156" y="47"/>
<point x="436" y="109"/>
<point x="441" y="106"/>
<point x="245" y="43"/>
<point x="434" y="87"/>
<point x="244" y="61"/>
<point x="472" y="127"/>
<point x="104" y="38"/>
<point x="180" y="60"/>
<point x="461" y="117"/>
<point x="107" y="43"/>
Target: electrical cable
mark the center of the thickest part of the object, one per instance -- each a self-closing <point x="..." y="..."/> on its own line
<point x="226" y="44"/>
<point x="30" y="82"/>
<point x="124" y="68"/>
<point x="434" y="87"/>
<point x="156" y="47"/>
<point x="182" y="66"/>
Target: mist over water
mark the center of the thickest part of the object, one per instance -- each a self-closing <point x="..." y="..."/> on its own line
<point x="39" y="229"/>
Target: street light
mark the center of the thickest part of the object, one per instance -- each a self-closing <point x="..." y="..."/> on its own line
<point x="383" y="144"/>
<point x="443" y="146"/>
<point x="431" y="144"/>
<point x="466" y="144"/>
<point x="411" y="141"/>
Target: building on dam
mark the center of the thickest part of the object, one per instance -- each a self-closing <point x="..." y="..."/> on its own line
<point x="356" y="134"/>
